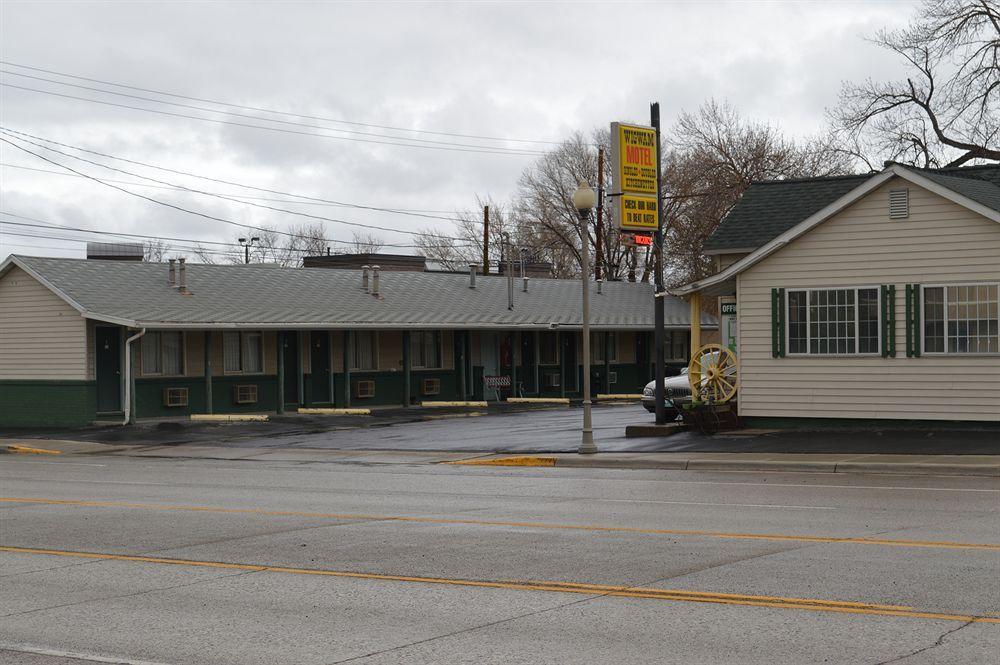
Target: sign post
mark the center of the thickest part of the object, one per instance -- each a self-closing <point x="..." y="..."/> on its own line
<point x="635" y="161"/>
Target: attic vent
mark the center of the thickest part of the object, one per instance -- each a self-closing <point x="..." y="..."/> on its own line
<point x="899" y="203"/>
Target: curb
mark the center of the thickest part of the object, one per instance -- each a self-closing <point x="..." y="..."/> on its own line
<point x="440" y="405"/>
<point x="228" y="417"/>
<point x="538" y="400"/>
<point x="28" y="450"/>
<point x="526" y="460"/>
<point x="334" y="412"/>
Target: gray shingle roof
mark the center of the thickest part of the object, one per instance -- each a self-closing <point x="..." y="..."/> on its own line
<point x="273" y="297"/>
<point x="769" y="208"/>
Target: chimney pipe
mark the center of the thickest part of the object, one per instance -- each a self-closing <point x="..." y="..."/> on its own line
<point x="181" y="276"/>
<point x="524" y="284"/>
<point x="600" y="286"/>
<point x="364" y="278"/>
<point x="472" y="275"/>
<point x="172" y="279"/>
<point x="375" y="280"/>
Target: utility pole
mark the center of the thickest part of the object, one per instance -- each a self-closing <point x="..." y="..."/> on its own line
<point x="599" y="241"/>
<point x="658" y="334"/>
<point x="486" y="240"/>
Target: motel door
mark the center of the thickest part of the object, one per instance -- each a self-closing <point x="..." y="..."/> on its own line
<point x="108" y="369"/>
<point x="319" y="355"/>
<point x="290" y="347"/>
<point x="489" y="343"/>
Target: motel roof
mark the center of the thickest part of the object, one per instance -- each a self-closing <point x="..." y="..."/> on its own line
<point x="138" y="294"/>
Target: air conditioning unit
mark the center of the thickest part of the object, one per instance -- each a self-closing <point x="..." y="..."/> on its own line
<point x="175" y="397"/>
<point x="364" y="388"/>
<point x="613" y="377"/>
<point x="552" y="380"/>
<point x="430" y="387"/>
<point x="245" y="393"/>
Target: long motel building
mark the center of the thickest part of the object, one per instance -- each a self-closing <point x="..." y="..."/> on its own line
<point x="102" y="339"/>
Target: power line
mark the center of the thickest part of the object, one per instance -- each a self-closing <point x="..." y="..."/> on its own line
<point x="498" y="151"/>
<point x="220" y="196"/>
<point x="264" y="110"/>
<point x="228" y="182"/>
<point x="254" y="117"/>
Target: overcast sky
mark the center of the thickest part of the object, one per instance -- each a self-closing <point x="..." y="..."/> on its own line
<point x="534" y="71"/>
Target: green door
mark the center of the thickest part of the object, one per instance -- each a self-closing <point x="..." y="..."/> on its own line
<point x="108" y="367"/>
<point x="319" y="353"/>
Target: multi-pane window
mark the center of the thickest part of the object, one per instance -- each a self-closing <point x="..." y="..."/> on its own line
<point x="364" y="350"/>
<point x="597" y="347"/>
<point x="243" y="352"/>
<point x="548" y="348"/>
<point x="676" y="345"/>
<point x="163" y="353"/>
<point x="425" y="349"/>
<point x="833" y="321"/>
<point x="962" y="318"/>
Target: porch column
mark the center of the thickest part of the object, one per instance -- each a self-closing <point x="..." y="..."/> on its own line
<point x="515" y="353"/>
<point x="348" y="338"/>
<point x="298" y="366"/>
<point x="133" y="408"/>
<point x="695" y="377"/>
<point x="406" y="368"/>
<point x="329" y="366"/>
<point x="535" y="360"/>
<point x="208" y="371"/>
<point x="607" y="362"/>
<point x="459" y="347"/>
<point x="281" y="372"/>
<point x="561" y="343"/>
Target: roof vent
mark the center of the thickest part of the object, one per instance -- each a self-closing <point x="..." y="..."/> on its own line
<point x="375" y="284"/>
<point x="472" y="275"/>
<point x="364" y="278"/>
<point x="899" y="203"/>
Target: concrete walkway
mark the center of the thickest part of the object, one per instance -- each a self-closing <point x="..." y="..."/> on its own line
<point x="938" y="465"/>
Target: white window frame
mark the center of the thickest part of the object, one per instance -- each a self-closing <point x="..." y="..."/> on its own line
<point x="597" y="347"/>
<point x="183" y="351"/>
<point x="440" y="348"/>
<point x="541" y="336"/>
<point x="375" y="350"/>
<point x="242" y="369"/>
<point x="923" y="319"/>
<point x="857" y="322"/>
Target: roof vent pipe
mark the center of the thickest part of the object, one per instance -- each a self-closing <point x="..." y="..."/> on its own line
<point x="181" y="276"/>
<point x="472" y="275"/>
<point x="172" y="278"/>
<point x="524" y="284"/>
<point x="600" y="286"/>
<point x="374" y="280"/>
<point x="364" y="277"/>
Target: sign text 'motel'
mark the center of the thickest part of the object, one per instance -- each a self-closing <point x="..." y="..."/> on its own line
<point x="633" y="161"/>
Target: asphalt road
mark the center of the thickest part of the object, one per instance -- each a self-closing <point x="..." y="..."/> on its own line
<point x="135" y="560"/>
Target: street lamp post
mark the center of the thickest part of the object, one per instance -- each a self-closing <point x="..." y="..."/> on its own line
<point x="584" y="199"/>
<point x="246" y="247"/>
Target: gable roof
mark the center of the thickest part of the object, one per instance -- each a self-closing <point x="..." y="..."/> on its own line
<point x="225" y="296"/>
<point x="769" y="208"/>
<point x="942" y="185"/>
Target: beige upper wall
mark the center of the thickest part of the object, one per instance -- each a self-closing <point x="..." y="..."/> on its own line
<point x="41" y="337"/>
<point x="940" y="242"/>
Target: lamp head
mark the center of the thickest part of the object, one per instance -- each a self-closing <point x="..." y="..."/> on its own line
<point x="584" y="198"/>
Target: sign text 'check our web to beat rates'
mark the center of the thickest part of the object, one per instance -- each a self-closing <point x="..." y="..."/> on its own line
<point x="633" y="154"/>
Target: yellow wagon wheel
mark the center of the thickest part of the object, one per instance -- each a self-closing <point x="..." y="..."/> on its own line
<point x="712" y="374"/>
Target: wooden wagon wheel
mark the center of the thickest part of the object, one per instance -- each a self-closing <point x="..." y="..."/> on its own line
<point x="712" y="374"/>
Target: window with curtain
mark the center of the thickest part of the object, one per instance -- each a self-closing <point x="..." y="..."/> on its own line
<point x="963" y="318"/>
<point x="162" y="353"/>
<point x="833" y="321"/>
<point x="243" y="352"/>
<point x="676" y="345"/>
<point x="425" y="349"/>
<point x="597" y="346"/>
<point x="548" y="348"/>
<point x="364" y="352"/>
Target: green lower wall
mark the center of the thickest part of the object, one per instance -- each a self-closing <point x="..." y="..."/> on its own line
<point x="47" y="403"/>
<point x="149" y="395"/>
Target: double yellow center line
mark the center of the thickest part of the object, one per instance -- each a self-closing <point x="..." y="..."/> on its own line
<point x="674" y="595"/>
<point x="885" y="542"/>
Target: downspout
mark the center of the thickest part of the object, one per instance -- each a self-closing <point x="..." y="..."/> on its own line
<point x="129" y="420"/>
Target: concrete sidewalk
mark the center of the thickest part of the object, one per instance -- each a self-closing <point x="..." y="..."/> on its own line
<point x="938" y="465"/>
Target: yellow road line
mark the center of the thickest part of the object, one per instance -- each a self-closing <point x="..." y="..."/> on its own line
<point x="528" y="460"/>
<point x="28" y="450"/>
<point x="676" y="595"/>
<point x="935" y="544"/>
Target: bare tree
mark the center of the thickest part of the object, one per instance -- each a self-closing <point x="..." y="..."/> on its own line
<point x="456" y="250"/>
<point x="366" y="243"/>
<point x="947" y="112"/>
<point x="155" y="251"/>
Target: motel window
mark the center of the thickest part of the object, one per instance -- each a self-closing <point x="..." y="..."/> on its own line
<point x="162" y="353"/>
<point x="677" y="345"/>
<point x="833" y="321"/>
<point x="548" y="348"/>
<point x="243" y="352"/>
<point x="425" y="349"/>
<point x="962" y="318"/>
<point x="597" y="347"/>
<point x="364" y="350"/>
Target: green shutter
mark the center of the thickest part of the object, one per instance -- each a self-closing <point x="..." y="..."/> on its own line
<point x="908" y="302"/>
<point x="888" y="293"/>
<point x="777" y="323"/>
<point x="916" y="321"/>
<point x="912" y="320"/>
